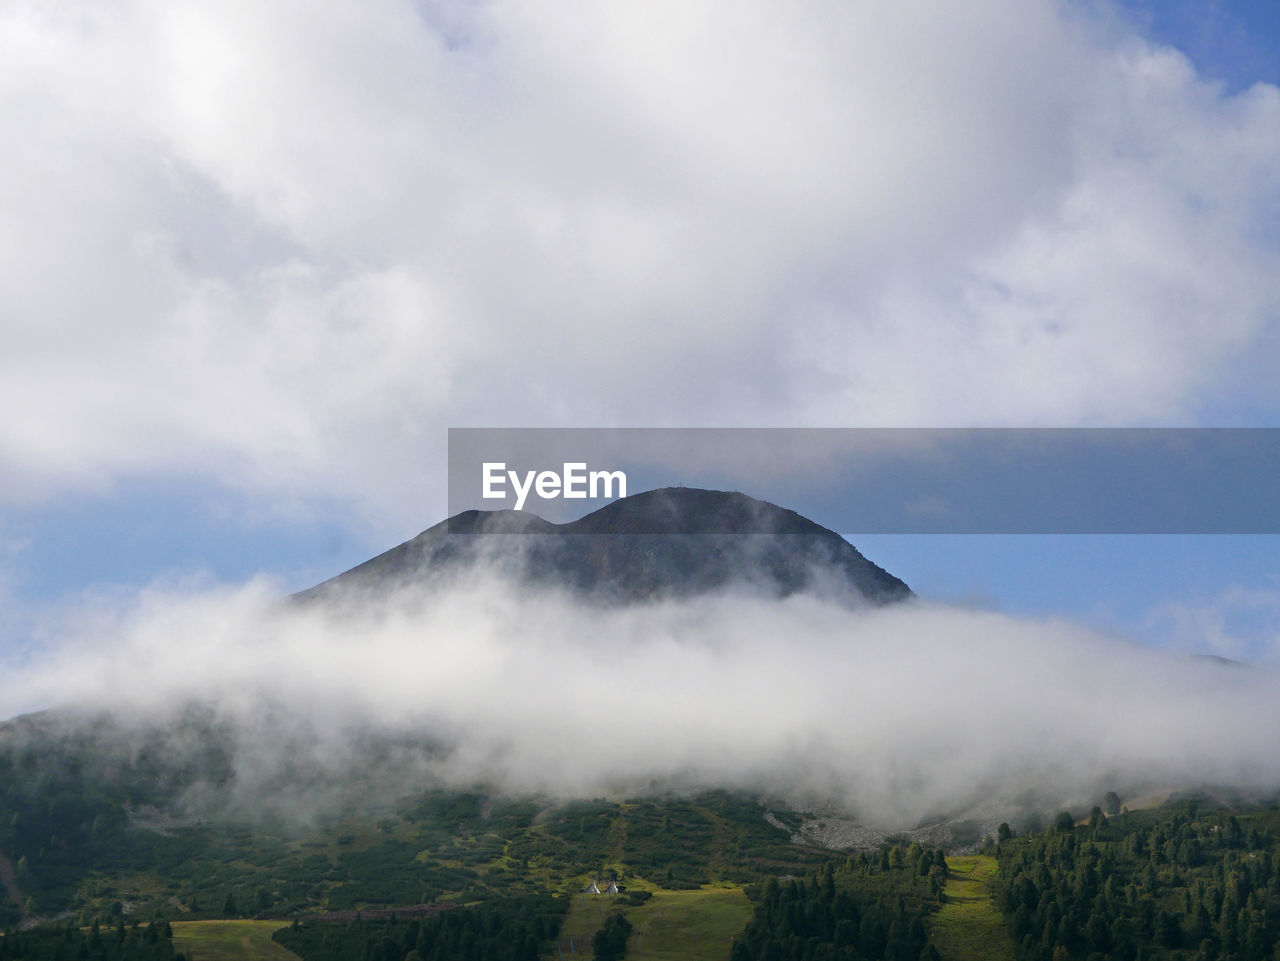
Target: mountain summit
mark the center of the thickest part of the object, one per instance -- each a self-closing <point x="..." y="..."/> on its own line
<point x="671" y="542"/>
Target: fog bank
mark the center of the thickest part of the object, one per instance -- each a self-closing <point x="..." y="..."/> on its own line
<point x="892" y="714"/>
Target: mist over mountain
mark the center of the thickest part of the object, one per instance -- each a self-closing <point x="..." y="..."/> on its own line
<point x="669" y="543"/>
<point x="619" y="656"/>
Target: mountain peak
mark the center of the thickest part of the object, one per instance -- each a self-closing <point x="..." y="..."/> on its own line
<point x="668" y="542"/>
<point x="693" y="510"/>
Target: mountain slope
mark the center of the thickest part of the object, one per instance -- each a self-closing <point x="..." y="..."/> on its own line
<point x="672" y="542"/>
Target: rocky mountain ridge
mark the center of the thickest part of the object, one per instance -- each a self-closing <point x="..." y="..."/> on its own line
<point x="666" y="543"/>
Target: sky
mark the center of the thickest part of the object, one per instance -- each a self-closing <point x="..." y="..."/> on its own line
<point x="255" y="260"/>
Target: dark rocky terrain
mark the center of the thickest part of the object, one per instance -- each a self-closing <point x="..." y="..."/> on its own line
<point x="668" y="543"/>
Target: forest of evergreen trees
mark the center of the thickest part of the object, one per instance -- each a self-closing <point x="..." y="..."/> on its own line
<point x="71" y="942"/>
<point x="873" y="906"/>
<point x="1185" y="883"/>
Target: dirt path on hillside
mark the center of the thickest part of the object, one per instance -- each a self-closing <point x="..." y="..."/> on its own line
<point x="11" y="886"/>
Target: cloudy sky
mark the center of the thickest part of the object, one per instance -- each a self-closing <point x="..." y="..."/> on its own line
<point x="255" y="259"/>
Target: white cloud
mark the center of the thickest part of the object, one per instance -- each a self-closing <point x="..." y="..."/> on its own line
<point x="284" y="246"/>
<point x="894" y="713"/>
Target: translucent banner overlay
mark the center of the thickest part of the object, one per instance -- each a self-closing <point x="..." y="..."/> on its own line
<point x="895" y="480"/>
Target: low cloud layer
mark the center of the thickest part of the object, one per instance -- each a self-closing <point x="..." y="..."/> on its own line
<point x="893" y="714"/>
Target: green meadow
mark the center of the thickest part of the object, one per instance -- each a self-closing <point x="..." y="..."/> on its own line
<point x="968" y="927"/>
<point x="694" y="925"/>
<point x="230" y="941"/>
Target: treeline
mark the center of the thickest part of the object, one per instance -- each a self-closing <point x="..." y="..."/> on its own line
<point x="68" y="785"/>
<point x="513" y="929"/>
<point x="873" y="906"/>
<point x="1182" y="884"/>
<point x="70" y="942"/>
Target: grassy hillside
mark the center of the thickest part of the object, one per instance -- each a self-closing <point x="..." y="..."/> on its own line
<point x="968" y="926"/>
<point x="230" y="941"/>
<point x="91" y="831"/>
<point x="694" y="925"/>
<point x="97" y="836"/>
